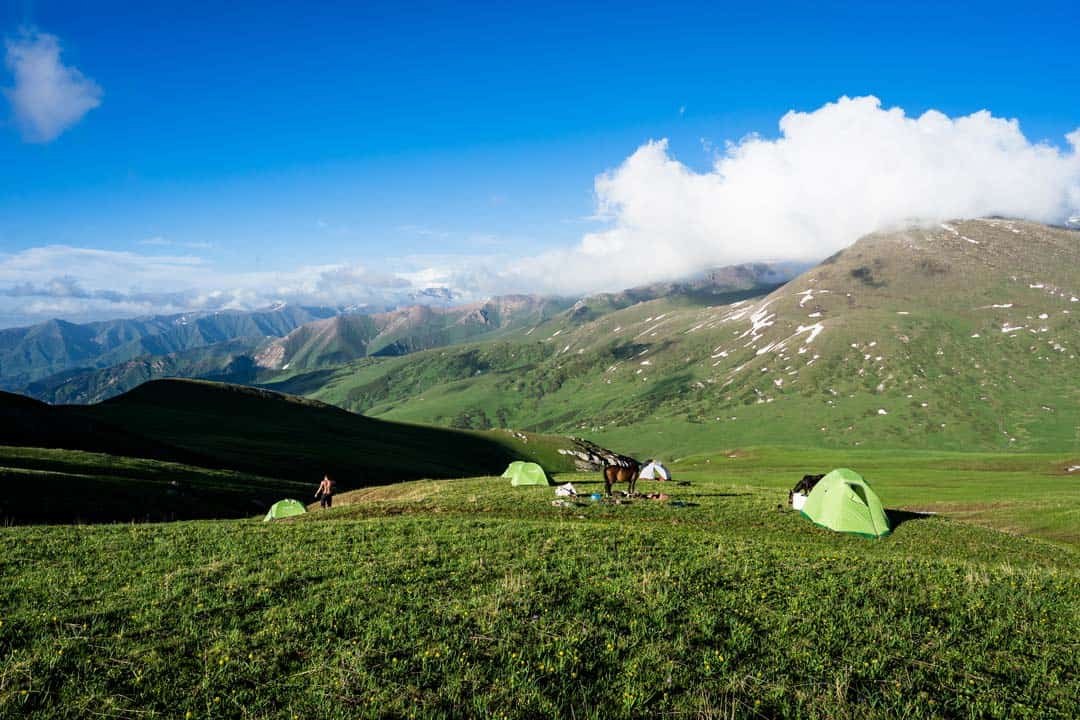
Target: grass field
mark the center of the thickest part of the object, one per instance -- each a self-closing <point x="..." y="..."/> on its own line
<point x="469" y="598"/>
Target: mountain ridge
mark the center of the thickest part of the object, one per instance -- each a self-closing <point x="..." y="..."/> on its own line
<point x="964" y="334"/>
<point x="344" y="337"/>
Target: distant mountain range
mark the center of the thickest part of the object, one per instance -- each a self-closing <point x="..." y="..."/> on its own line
<point x="32" y="353"/>
<point x="61" y="362"/>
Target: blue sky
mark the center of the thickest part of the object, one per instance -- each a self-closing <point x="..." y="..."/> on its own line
<point x="434" y="141"/>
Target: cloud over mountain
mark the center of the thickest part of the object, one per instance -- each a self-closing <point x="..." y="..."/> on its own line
<point x="81" y="284"/>
<point x="832" y="175"/>
<point x="48" y="97"/>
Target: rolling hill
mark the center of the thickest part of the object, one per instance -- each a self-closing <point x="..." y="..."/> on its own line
<point x="958" y="336"/>
<point x="266" y="433"/>
<point x="231" y="450"/>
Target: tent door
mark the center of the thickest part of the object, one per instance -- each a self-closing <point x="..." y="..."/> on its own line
<point x="861" y="493"/>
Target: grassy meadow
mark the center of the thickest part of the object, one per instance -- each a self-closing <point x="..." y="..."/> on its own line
<point x="469" y="598"/>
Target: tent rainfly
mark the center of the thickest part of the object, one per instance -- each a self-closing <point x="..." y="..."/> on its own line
<point x="842" y="501"/>
<point x="525" y="473"/>
<point x="655" y="471"/>
<point x="512" y="468"/>
<point x="284" y="509"/>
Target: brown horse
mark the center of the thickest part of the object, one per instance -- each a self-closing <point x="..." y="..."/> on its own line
<point x="619" y="473"/>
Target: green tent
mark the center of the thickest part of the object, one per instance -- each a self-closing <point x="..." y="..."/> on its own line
<point x="525" y="473"/>
<point x="842" y="501"/>
<point x="284" y="509"/>
<point x="512" y="468"/>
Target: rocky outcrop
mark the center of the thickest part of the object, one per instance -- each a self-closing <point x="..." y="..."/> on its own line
<point x="589" y="456"/>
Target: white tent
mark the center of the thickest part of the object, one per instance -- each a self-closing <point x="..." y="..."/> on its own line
<point x="654" y="471"/>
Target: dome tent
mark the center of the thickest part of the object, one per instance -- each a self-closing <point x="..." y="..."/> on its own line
<point x="655" y="470"/>
<point x="284" y="509"/>
<point x="525" y="473"/>
<point x="842" y="501"/>
<point x="512" y="468"/>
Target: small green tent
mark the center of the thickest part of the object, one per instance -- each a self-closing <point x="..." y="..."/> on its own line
<point x="842" y="501"/>
<point x="285" y="508"/>
<point x="525" y="473"/>
<point x="512" y="468"/>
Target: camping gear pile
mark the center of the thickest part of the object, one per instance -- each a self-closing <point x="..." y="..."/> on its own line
<point x="844" y="502"/>
<point x="797" y="496"/>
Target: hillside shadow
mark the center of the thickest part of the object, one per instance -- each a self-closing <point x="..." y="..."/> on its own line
<point x="301" y="384"/>
<point x="899" y="517"/>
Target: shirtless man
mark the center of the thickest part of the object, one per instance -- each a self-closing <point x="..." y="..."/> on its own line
<point x="326" y="491"/>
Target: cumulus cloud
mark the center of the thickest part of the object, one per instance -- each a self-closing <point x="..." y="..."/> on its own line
<point x="48" y="97"/>
<point x="832" y="175"/>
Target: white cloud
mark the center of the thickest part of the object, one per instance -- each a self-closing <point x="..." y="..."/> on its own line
<point x="48" y="97"/>
<point x="80" y="284"/>
<point x="833" y="175"/>
<point x="158" y="241"/>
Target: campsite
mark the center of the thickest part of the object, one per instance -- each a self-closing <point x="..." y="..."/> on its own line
<point x="475" y="597"/>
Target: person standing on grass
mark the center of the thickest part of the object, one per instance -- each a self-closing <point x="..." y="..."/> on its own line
<point x="326" y="492"/>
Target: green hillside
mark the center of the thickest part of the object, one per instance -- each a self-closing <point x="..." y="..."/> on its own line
<point x="69" y="486"/>
<point x="348" y="337"/>
<point x="470" y="598"/>
<point x="956" y="337"/>
<point x="25" y="422"/>
<point x="232" y="450"/>
<point x="265" y="433"/>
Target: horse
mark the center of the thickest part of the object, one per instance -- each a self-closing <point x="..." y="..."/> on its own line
<point x="621" y="473"/>
<point x="804" y="486"/>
